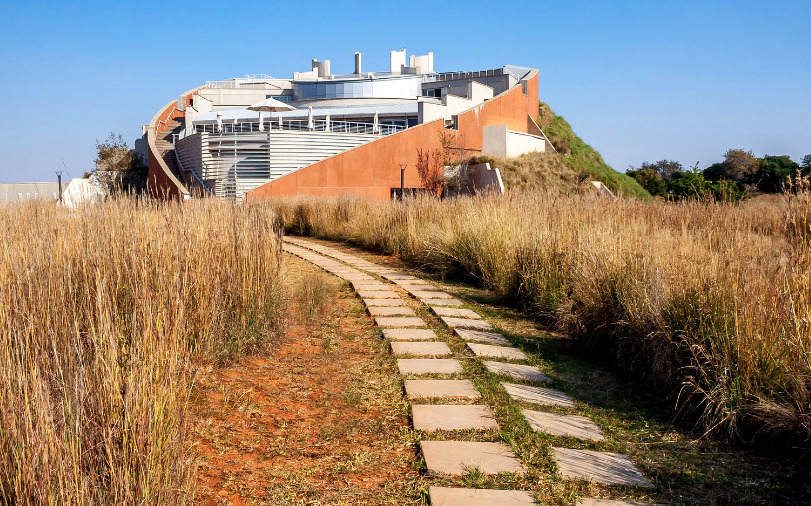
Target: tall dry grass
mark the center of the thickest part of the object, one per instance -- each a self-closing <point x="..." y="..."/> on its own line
<point x="709" y="302"/>
<point x="105" y="313"/>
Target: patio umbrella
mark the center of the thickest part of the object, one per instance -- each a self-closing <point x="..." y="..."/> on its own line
<point x="219" y="122"/>
<point x="261" y="122"/>
<point x="269" y="105"/>
<point x="279" y="117"/>
<point x="326" y="127"/>
<point x="376" y="126"/>
<point x="310" y="122"/>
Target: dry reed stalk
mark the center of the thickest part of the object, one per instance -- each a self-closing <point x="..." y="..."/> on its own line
<point x="105" y="313"/>
<point x="706" y="300"/>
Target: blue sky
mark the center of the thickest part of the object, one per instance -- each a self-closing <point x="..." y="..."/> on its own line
<point x="640" y="81"/>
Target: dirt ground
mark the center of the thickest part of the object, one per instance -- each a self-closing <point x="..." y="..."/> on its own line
<point x="319" y="419"/>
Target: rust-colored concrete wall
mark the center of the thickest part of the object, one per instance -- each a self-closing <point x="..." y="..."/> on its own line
<point x="160" y="183"/>
<point x="373" y="169"/>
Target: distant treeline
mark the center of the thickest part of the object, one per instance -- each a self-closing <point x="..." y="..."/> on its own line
<point x="740" y="175"/>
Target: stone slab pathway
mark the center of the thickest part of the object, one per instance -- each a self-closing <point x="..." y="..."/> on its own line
<point x="384" y="302"/>
<point x="490" y="351"/>
<point x="538" y="395"/>
<point x="426" y="294"/>
<point x="458" y="457"/>
<point x="377" y="294"/>
<point x="444" y="496"/>
<point x="399" y="321"/>
<point x="428" y="389"/>
<point x="409" y="334"/>
<point x="452" y="417"/>
<point x="429" y="366"/>
<point x="420" y="348"/>
<point x="440" y="302"/>
<point x="563" y="425"/>
<point x="480" y="336"/>
<point x="452" y="322"/>
<point x="599" y="467"/>
<point x="452" y="311"/>
<point x="390" y="311"/>
<point x="517" y="371"/>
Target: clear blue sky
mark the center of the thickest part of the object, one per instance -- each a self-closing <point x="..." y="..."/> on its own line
<point x="640" y="81"/>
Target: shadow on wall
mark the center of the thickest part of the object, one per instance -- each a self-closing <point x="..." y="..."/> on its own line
<point x="472" y="180"/>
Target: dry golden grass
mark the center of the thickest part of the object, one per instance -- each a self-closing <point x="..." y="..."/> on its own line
<point x="106" y="312"/>
<point x="709" y="302"/>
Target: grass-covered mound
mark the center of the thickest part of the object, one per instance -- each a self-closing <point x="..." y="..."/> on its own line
<point x="582" y="159"/>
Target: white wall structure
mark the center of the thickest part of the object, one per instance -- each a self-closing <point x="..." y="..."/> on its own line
<point x="498" y="141"/>
<point x="80" y="192"/>
<point x="20" y="192"/>
<point x="398" y="61"/>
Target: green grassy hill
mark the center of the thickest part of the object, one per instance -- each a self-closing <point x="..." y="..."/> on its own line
<point x="582" y="158"/>
<point x="568" y="171"/>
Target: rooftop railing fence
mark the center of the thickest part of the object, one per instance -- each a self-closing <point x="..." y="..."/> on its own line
<point x="350" y="127"/>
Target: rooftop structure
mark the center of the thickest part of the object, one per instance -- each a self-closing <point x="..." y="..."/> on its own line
<point x="349" y="133"/>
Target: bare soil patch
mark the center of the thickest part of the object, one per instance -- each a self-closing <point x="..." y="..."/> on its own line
<point x="319" y="420"/>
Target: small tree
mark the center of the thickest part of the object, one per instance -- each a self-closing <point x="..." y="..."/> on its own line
<point x="431" y="170"/>
<point x="649" y="180"/>
<point x="739" y="165"/>
<point x="117" y="167"/>
<point x="774" y="171"/>
<point x="806" y="165"/>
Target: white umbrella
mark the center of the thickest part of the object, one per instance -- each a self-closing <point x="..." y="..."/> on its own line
<point x="219" y="122"/>
<point x="326" y="126"/>
<point x="375" y="126"/>
<point x="281" y="125"/>
<point x="261" y="122"/>
<point x="269" y="105"/>
<point x="310" y="122"/>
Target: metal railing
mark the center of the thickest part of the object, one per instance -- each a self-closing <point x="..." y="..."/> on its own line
<point x="349" y="127"/>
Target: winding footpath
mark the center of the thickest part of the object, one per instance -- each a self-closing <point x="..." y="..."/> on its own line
<point x="432" y="374"/>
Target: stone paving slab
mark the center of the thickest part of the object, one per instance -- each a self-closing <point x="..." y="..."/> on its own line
<point x="399" y="321"/>
<point x="405" y="283"/>
<point x="419" y="288"/>
<point x="517" y="371"/>
<point x="391" y="311"/>
<point x="375" y="286"/>
<point x="409" y="334"/>
<point x="445" y="496"/>
<point x="609" y="502"/>
<point x="378" y="294"/>
<point x="435" y="388"/>
<point x="490" y="351"/>
<point x="538" y="395"/>
<point x="480" y="336"/>
<point x="452" y="311"/>
<point x="563" y="425"/>
<point x="353" y="277"/>
<point x="599" y="467"/>
<point x="384" y="302"/>
<point x="423" y="348"/>
<point x="452" y="322"/>
<point x="397" y="276"/>
<point x="425" y="294"/>
<point x="440" y="302"/>
<point x="429" y="366"/>
<point x="457" y="457"/>
<point x="452" y="417"/>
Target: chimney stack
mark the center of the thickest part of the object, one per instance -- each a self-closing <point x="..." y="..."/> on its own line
<point x="357" y="63"/>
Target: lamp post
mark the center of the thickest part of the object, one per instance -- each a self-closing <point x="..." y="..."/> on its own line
<point x="402" y="181"/>
<point x="59" y="178"/>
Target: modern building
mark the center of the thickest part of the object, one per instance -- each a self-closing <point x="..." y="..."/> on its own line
<point x="20" y="192"/>
<point x="351" y="133"/>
